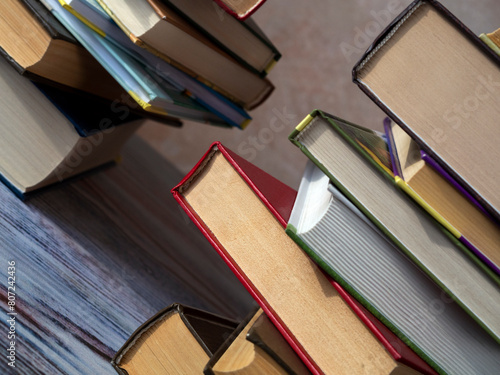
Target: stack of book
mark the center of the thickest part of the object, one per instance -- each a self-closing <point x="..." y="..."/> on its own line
<point x="100" y="64"/>
<point x="386" y="260"/>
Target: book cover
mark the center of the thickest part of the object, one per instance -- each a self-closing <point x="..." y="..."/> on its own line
<point x="443" y="131"/>
<point x="457" y="256"/>
<point x="279" y="199"/>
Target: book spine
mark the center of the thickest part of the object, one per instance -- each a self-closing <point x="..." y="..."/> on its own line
<point x="396" y="166"/>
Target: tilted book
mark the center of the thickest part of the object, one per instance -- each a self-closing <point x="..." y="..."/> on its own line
<point x="39" y="47"/>
<point x="435" y="250"/>
<point x="243" y="211"/>
<point x="440" y="195"/>
<point x="93" y="16"/>
<point x="439" y="82"/>
<point x="49" y="135"/>
<point x="240" y="356"/>
<point x="147" y="91"/>
<point x="492" y="40"/>
<point x="244" y="41"/>
<point x="177" y="340"/>
<point x="339" y="237"/>
<point x="148" y="23"/>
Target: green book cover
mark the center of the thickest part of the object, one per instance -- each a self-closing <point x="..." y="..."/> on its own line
<point x="355" y="143"/>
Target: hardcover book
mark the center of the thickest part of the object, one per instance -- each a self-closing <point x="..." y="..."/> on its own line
<point x="177" y="340"/>
<point x="91" y="14"/>
<point x="37" y="45"/>
<point x="242" y="40"/>
<point x="141" y="85"/>
<point x="437" y="192"/>
<point x="243" y="211"/>
<point x="49" y="135"/>
<point x="455" y="121"/>
<point x="264" y="335"/>
<point x="241" y="356"/>
<point x="339" y="237"/>
<point x="321" y="137"/>
<point x="148" y="23"/>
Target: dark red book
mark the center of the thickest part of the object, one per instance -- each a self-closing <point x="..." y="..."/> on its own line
<point x="243" y="212"/>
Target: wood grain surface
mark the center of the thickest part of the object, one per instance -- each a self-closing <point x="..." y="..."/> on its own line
<point x="98" y="256"/>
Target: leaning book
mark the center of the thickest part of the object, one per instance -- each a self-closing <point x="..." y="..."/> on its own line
<point x="49" y="135"/>
<point x="243" y="212"/>
<point x="439" y="82"/>
<point x="346" y="244"/>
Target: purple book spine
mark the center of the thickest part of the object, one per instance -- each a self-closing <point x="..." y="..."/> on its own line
<point x="397" y="172"/>
<point x="396" y="167"/>
<point x="480" y="255"/>
<point x="452" y="181"/>
<point x="457" y="186"/>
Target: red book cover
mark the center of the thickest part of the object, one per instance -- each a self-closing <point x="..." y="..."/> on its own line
<point x="239" y="9"/>
<point x="279" y="199"/>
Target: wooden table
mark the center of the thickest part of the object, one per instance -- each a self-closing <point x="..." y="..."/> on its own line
<point x="98" y="256"/>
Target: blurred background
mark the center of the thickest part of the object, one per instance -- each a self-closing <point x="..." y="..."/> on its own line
<point x="320" y="41"/>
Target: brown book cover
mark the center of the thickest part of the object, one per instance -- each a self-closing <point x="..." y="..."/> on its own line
<point x="188" y="50"/>
<point x="92" y="83"/>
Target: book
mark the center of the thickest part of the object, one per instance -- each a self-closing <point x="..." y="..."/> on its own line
<point x="160" y="98"/>
<point x="240" y="9"/>
<point x="338" y="236"/>
<point x="177" y="340"/>
<point x="243" y="211"/>
<point x="49" y="135"/>
<point x="437" y="192"/>
<point x="91" y="14"/>
<point x="492" y="40"/>
<point x="321" y="137"/>
<point x="37" y="45"/>
<point x="238" y="355"/>
<point x="147" y="24"/>
<point x="454" y="122"/>
<point x="264" y="335"/>
<point x="36" y="54"/>
<point x="244" y="41"/>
